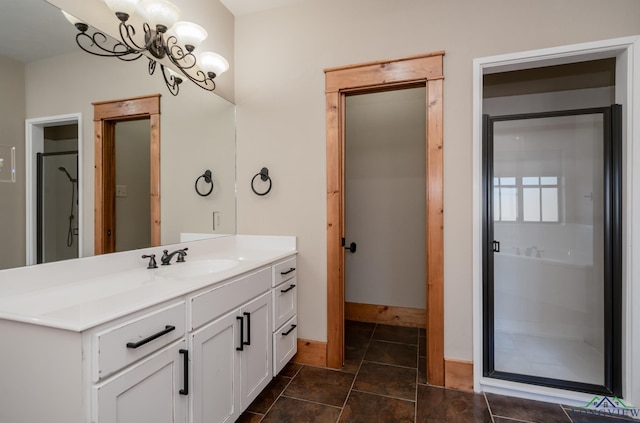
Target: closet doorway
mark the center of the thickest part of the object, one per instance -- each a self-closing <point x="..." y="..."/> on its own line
<point x="384" y="206"/>
<point x="107" y="115"/>
<point x="424" y="73"/>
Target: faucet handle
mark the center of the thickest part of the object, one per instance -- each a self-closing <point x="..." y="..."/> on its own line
<point x="181" y="254"/>
<point x="152" y="261"/>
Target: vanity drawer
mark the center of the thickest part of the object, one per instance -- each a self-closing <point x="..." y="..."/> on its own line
<point x="211" y="304"/>
<point x="285" y="342"/>
<point x="284" y="302"/>
<point x="284" y="271"/>
<point x="121" y="345"/>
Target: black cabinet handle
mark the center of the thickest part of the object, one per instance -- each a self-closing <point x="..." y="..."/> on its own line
<point x="290" y="330"/>
<point x="241" y="347"/>
<point x="352" y="247"/>
<point x="292" y="269"/>
<point x="140" y="343"/>
<point x="185" y="353"/>
<point x="248" y="328"/>
<point x="496" y="246"/>
<point x="288" y="289"/>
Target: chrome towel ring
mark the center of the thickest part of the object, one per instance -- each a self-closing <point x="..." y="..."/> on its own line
<point x="207" y="179"/>
<point x="264" y="176"/>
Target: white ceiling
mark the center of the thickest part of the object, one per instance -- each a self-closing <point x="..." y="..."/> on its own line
<point x="244" y="7"/>
<point x="34" y="29"/>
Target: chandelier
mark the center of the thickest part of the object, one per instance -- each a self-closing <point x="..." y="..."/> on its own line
<point x="163" y="37"/>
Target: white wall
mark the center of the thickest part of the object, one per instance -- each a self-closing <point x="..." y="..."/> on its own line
<point x="385" y="192"/>
<point x="280" y="55"/>
<point x="12" y="203"/>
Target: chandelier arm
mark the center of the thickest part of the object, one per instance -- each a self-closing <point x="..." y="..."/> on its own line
<point x="152" y="66"/>
<point x="200" y="78"/>
<point x="173" y="83"/>
<point x="177" y="54"/>
<point x="127" y="32"/>
<point x="186" y="62"/>
<point x="97" y="40"/>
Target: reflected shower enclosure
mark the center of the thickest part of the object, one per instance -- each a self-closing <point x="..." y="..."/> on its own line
<point x="552" y="271"/>
<point x="57" y="206"/>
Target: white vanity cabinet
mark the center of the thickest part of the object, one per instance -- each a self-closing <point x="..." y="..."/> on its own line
<point x="285" y="309"/>
<point x="231" y="355"/>
<point x="150" y="391"/>
<point x="153" y="389"/>
<point x="200" y="356"/>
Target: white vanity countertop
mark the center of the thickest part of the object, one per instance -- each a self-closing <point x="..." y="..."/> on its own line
<point x="82" y="293"/>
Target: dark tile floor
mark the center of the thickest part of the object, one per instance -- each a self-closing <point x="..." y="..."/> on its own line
<point x="383" y="380"/>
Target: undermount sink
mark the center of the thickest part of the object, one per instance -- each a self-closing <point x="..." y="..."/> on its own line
<point x="197" y="268"/>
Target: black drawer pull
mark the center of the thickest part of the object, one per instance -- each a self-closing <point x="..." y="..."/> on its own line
<point x="292" y="269"/>
<point x="140" y="343"/>
<point x="290" y="330"/>
<point x="241" y="347"/>
<point x="248" y="328"/>
<point x="288" y="289"/>
<point x="185" y="391"/>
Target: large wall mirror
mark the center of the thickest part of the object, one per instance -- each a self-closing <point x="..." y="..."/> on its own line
<point x="45" y="76"/>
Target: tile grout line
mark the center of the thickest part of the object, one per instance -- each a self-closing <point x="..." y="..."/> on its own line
<point x="280" y="394"/>
<point x="355" y="376"/>
<point x="486" y="400"/>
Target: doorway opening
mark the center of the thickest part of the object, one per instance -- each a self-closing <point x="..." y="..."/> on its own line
<point x="54" y="222"/>
<point x="625" y="92"/>
<point x="107" y="115"/>
<point x="385" y="207"/>
<point x="424" y="72"/>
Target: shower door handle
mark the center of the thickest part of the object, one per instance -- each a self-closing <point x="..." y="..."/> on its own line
<point x="496" y="246"/>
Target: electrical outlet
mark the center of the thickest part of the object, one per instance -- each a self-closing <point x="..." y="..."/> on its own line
<point x="121" y="190"/>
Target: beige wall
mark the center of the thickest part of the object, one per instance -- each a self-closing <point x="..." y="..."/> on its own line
<point x="12" y="203"/>
<point x="280" y="55"/>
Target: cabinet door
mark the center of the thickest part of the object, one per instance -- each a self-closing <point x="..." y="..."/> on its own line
<point x="216" y="371"/>
<point x="256" y="357"/>
<point x="148" y="392"/>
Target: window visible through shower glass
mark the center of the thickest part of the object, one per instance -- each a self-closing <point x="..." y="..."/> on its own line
<point x="548" y="193"/>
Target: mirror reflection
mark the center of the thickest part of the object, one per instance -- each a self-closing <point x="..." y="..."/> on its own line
<point x="47" y="81"/>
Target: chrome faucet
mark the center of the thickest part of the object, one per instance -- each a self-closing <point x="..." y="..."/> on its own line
<point x="166" y="257"/>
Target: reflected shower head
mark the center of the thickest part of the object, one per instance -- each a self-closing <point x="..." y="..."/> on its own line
<point x="63" y="169"/>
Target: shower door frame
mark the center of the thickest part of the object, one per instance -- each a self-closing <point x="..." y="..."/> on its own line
<point x="39" y="199"/>
<point x="612" y="167"/>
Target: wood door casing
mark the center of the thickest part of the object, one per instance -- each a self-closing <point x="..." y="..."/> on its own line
<point x="423" y="70"/>
<point x="105" y="116"/>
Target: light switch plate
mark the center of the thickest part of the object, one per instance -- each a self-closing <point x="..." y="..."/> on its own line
<point x="121" y="190"/>
<point x="7" y="163"/>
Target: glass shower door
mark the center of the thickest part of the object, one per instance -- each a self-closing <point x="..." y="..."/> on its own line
<point x="57" y="206"/>
<point x="552" y="269"/>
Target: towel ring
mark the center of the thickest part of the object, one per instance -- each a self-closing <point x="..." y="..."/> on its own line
<point x="264" y="175"/>
<point x="207" y="178"/>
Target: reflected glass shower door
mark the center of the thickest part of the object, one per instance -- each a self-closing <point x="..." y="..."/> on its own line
<point x="552" y="262"/>
<point x="57" y="206"/>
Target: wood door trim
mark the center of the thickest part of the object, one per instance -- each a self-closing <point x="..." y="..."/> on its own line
<point x="427" y="71"/>
<point x="105" y="116"/>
